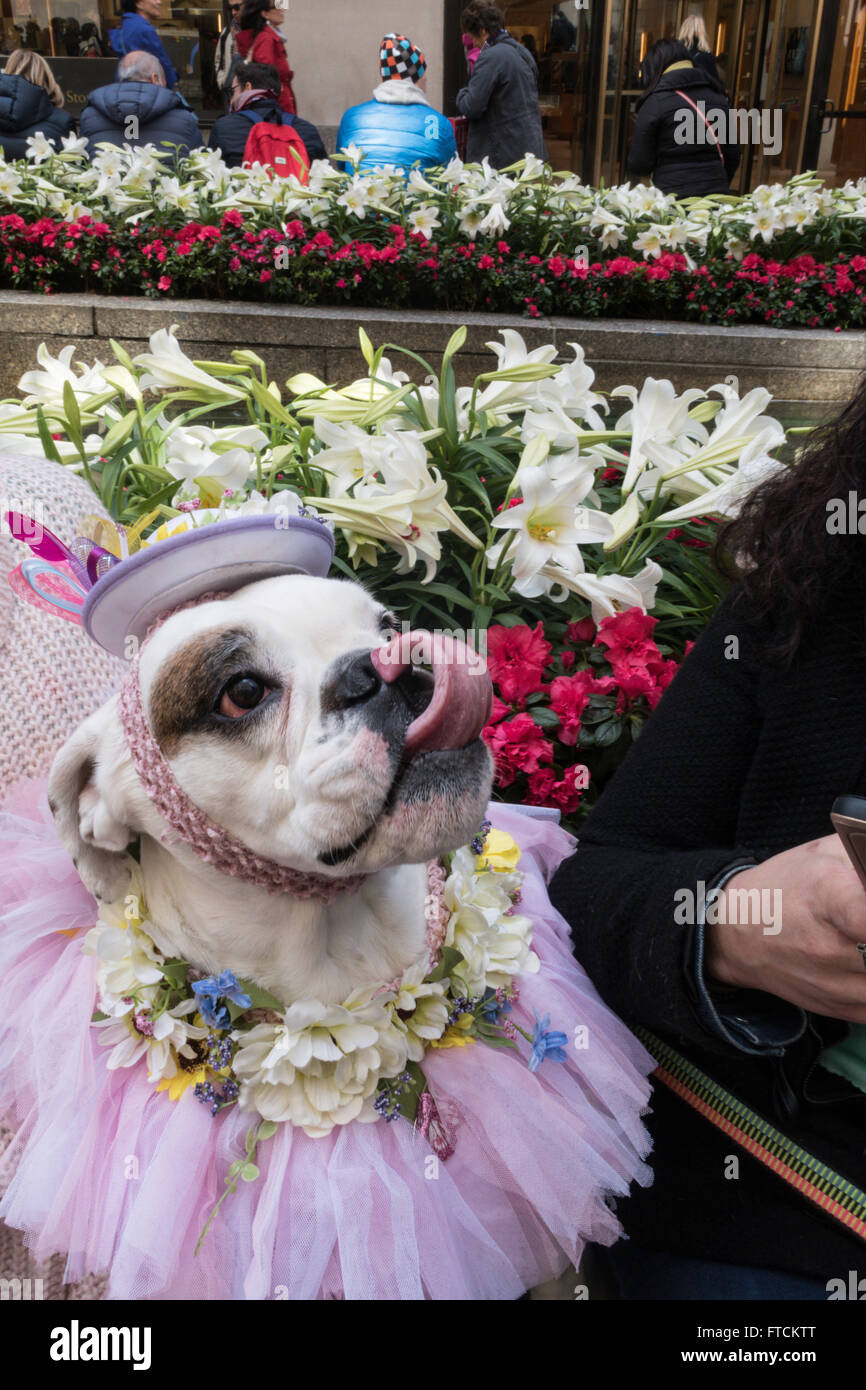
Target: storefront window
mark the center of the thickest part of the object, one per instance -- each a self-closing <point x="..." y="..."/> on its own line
<point x="74" y="37"/>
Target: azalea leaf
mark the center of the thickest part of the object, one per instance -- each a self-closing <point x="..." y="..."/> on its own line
<point x="545" y="718"/>
<point x="608" y="734"/>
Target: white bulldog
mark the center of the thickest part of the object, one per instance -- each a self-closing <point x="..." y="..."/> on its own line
<point x="281" y="727"/>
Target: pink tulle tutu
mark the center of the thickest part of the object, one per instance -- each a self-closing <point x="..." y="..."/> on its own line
<point x="121" y="1178"/>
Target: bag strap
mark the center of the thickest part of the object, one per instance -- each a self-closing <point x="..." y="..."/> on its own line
<point x="254" y="116"/>
<point x="705" y="121"/>
<point x="812" y="1178"/>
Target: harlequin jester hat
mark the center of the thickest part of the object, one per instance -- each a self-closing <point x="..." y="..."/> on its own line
<point x="398" y="57"/>
<point x="116" y="586"/>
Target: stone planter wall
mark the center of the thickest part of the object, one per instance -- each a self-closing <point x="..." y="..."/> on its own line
<point x="810" y="373"/>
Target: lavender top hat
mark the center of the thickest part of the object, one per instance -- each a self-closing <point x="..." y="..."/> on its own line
<point x="223" y="556"/>
<point x="117" y="599"/>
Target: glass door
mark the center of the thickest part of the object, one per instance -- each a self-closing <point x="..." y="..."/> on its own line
<point x="836" y="140"/>
<point x="786" y="85"/>
<point x="634" y="26"/>
<point x="558" y="37"/>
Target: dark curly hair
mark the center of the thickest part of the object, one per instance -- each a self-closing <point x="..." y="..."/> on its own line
<point x="252" y="15"/>
<point x="478" y="15"/>
<point x="793" y="562"/>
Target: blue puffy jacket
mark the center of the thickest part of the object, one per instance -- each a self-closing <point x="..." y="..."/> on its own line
<point x="25" y="109"/>
<point x="160" y="118"/>
<point x="137" y="34"/>
<point x="401" y="133"/>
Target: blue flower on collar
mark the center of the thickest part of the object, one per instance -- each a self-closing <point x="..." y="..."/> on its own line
<point x="546" y="1044"/>
<point x="209" y="992"/>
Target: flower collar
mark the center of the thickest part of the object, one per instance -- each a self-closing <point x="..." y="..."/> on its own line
<point x="312" y="1064"/>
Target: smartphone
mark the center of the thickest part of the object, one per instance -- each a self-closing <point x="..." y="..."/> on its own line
<point x="849" y="821"/>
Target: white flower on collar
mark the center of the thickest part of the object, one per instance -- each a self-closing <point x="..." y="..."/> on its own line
<point x="158" y="1040"/>
<point x="420" y="1009"/>
<point x="321" y="1065"/>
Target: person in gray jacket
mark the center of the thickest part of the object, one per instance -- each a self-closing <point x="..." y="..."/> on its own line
<point x="501" y="100"/>
<point x="138" y="109"/>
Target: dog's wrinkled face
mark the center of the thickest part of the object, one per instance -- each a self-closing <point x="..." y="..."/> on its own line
<point x="280" y="727"/>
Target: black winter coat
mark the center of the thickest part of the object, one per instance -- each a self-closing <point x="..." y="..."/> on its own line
<point x="501" y="104"/>
<point x="706" y="62"/>
<point x="229" y="133"/>
<point x="161" y="115"/>
<point x="687" y="167"/>
<point x="739" y="762"/>
<point x="26" y="109"/>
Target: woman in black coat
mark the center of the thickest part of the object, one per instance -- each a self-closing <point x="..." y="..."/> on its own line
<point x="730" y="786"/>
<point x="30" y="101"/>
<point x="686" y="154"/>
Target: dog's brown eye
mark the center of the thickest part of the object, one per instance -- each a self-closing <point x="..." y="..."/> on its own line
<point x="240" y="695"/>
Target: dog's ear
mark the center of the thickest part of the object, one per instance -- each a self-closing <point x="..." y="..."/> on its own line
<point x="91" y="829"/>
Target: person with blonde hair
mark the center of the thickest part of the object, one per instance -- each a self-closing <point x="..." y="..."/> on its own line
<point x="693" y="33"/>
<point x="30" y="102"/>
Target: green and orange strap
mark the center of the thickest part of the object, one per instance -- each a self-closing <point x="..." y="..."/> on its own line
<point x="834" y="1194"/>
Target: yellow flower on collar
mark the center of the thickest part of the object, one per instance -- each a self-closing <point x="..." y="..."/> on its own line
<point x="176" y="1085"/>
<point x="501" y="853"/>
<point x="456" y="1035"/>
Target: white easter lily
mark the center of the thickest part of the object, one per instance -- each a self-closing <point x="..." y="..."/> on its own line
<point x="73" y="146"/>
<point x="355" y="198"/>
<point x="657" y="414"/>
<point x="727" y="496"/>
<point x="612" y="228"/>
<point x="549" y="522"/>
<point x="39" y="148"/>
<point x="424" y="219"/>
<point x="45" y="387"/>
<point x="190" y="452"/>
<point x="570" y="390"/>
<point x="612" y="593"/>
<point x="350" y="455"/>
<point x="169" y="369"/>
<point x="11" y="184"/>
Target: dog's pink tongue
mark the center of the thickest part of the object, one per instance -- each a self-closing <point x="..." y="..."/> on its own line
<point x="462" y="693"/>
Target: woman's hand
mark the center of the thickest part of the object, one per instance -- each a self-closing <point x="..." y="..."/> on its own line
<point x="811" y="959"/>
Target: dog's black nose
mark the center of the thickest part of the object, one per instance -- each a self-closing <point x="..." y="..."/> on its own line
<point x="357" y="681"/>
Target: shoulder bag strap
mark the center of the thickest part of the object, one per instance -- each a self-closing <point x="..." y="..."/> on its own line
<point x="705" y="121"/>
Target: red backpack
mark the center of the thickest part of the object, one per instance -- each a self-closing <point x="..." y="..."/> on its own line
<point x="278" y="147"/>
